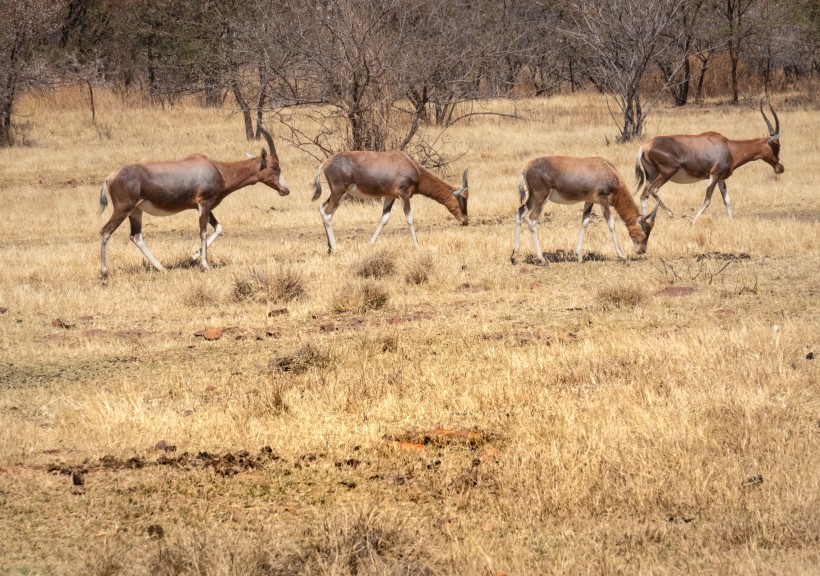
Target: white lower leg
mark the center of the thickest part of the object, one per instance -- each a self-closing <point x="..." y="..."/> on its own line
<point x="534" y="231"/>
<point x="327" y="219"/>
<point x="611" y="223"/>
<point x="217" y="232"/>
<point x="584" y="223"/>
<point x="137" y="239"/>
<point x="409" y="216"/>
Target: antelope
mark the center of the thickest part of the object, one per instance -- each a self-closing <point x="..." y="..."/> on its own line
<point x="167" y="188"/>
<point x="567" y="180"/>
<point x="708" y="156"/>
<point x="388" y="175"/>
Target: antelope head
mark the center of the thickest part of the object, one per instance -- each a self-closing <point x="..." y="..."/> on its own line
<point x="462" y="194"/>
<point x="269" y="172"/>
<point x="647" y="223"/>
<point x="772" y="155"/>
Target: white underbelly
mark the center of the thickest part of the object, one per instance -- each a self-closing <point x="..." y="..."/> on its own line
<point x="683" y="177"/>
<point x="149" y="208"/>
<point x="354" y="191"/>
<point x="558" y="199"/>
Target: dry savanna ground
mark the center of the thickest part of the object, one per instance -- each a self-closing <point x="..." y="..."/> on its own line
<point x="386" y="410"/>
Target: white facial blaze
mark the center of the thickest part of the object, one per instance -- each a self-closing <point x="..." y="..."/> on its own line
<point x="282" y="182"/>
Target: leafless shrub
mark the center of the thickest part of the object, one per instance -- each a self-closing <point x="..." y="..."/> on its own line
<point x="302" y="359"/>
<point x="263" y="285"/>
<point x="419" y="269"/>
<point x="700" y="270"/>
<point x="377" y="265"/>
<point x="613" y="297"/>
<point x="361" y="297"/>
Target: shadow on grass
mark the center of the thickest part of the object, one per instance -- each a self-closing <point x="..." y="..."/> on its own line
<point x="564" y="256"/>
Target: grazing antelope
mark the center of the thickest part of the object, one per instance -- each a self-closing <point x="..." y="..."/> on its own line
<point x="166" y="188"/>
<point x="567" y="180"/>
<point x="388" y="175"/>
<point x="708" y="156"/>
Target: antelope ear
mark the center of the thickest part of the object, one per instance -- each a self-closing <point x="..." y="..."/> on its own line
<point x="264" y="159"/>
<point x="464" y="184"/>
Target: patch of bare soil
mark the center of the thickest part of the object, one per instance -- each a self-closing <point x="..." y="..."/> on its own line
<point x="228" y="464"/>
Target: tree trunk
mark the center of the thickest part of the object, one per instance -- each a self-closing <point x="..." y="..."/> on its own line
<point x="704" y="67"/>
<point x="246" y="111"/>
<point x="91" y="102"/>
<point x="734" y="57"/>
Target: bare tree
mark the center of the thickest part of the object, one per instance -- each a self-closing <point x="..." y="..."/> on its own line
<point x="27" y="24"/>
<point x="675" y="64"/>
<point x="739" y="28"/>
<point x="623" y="39"/>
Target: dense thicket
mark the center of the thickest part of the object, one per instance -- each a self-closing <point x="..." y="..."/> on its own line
<point x="380" y="68"/>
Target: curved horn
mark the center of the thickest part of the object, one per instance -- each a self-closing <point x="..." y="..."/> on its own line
<point x="272" y="148"/>
<point x="774" y="133"/>
<point x="464" y="185"/>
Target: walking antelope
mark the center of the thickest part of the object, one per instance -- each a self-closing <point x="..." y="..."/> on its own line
<point x="708" y="156"/>
<point x="388" y="175"/>
<point x="166" y="188"/>
<point x="567" y="180"/>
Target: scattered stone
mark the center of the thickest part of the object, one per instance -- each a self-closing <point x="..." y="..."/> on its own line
<point x="810" y="356"/>
<point x="209" y="333"/>
<point x="327" y="328"/>
<point x="155" y="531"/>
<point x="60" y="323"/>
<point x="278" y="312"/>
<point x="77" y="478"/>
<point x="3" y="309"/>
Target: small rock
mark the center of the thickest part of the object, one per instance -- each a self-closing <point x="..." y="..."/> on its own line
<point x="209" y="333"/>
<point x="278" y="312"/>
<point x="77" y="478"/>
<point x="60" y="323"/>
<point x="155" y="531"/>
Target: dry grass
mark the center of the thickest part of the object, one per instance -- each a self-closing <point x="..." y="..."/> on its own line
<point x="458" y="415"/>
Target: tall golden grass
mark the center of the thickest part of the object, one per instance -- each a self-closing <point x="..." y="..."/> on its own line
<point x="483" y="418"/>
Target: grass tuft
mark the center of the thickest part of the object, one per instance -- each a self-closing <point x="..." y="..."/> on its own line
<point x="302" y="359"/>
<point x="615" y="297"/>
<point x="419" y="269"/>
<point x="360" y="297"/>
<point x="264" y="285"/>
<point x="377" y="265"/>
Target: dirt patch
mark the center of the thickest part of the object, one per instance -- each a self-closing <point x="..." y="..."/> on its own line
<point x="228" y="464"/>
<point x="444" y="437"/>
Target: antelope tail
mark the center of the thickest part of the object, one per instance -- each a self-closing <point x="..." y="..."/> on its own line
<point x="317" y="184"/>
<point x="522" y="191"/>
<point x="103" y="198"/>
<point x="639" y="171"/>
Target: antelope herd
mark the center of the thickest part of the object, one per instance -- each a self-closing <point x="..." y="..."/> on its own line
<point x="198" y="182"/>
